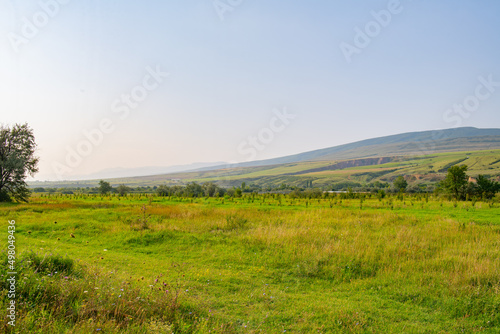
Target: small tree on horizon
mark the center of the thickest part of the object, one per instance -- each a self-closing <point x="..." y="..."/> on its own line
<point x="485" y="188"/>
<point x="104" y="187"/>
<point x="400" y="184"/>
<point x="456" y="182"/>
<point x="193" y="189"/>
<point x="122" y="190"/>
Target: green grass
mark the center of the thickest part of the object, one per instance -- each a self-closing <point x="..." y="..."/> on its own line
<point x="260" y="265"/>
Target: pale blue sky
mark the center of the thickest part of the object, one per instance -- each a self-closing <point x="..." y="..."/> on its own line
<point x="227" y="76"/>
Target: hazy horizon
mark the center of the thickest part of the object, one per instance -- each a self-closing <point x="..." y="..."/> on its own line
<point x="120" y="172"/>
<point x="129" y="85"/>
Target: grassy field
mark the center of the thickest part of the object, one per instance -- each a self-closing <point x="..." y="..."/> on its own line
<point x="262" y="264"/>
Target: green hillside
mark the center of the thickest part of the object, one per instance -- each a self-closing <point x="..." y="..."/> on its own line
<point x="419" y="170"/>
<point x="413" y="143"/>
<point x="422" y="157"/>
<point x="425" y="169"/>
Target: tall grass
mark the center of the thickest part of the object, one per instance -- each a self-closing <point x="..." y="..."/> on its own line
<point x="57" y="295"/>
<point x="261" y="264"/>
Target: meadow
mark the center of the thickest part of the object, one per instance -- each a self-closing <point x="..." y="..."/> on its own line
<point x="255" y="264"/>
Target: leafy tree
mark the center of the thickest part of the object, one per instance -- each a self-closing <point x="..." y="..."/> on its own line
<point x="210" y="189"/>
<point x="122" y="190"/>
<point x="471" y="191"/>
<point x="176" y="191"/>
<point x="220" y="192"/>
<point x="456" y="182"/>
<point x="104" y="187"/>
<point x="380" y="185"/>
<point x="400" y="184"/>
<point x="193" y="189"/>
<point x="486" y="188"/>
<point x="163" y="190"/>
<point x="381" y="194"/>
<point x="17" y="161"/>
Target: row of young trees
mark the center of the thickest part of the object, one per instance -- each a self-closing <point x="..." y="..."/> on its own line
<point x="193" y="189"/>
<point x="106" y="188"/>
<point x="456" y="185"/>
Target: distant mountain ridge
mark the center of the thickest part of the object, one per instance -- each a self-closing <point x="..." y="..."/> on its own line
<point x="411" y="143"/>
<point x="415" y="153"/>
<point x="146" y="171"/>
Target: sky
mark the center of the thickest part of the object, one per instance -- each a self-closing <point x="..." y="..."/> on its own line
<point x="108" y="84"/>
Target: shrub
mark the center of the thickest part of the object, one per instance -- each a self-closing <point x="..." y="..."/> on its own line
<point x="50" y="263"/>
<point x="234" y="222"/>
<point x="82" y="299"/>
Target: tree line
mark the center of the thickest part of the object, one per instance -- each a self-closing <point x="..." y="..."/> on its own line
<point x="459" y="186"/>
